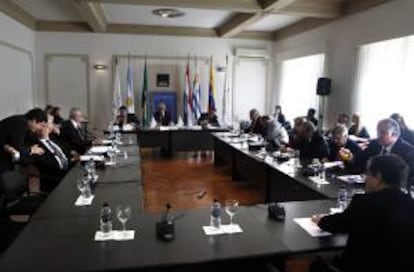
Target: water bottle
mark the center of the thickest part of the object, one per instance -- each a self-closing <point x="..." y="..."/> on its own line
<point x="106" y="219"/>
<point x="215" y="219"/>
<point x="342" y="198"/>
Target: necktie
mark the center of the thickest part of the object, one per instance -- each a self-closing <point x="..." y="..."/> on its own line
<point x="80" y="132"/>
<point x="58" y="153"/>
<point x="384" y="151"/>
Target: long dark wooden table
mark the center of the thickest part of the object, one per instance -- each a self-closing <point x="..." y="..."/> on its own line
<point x="178" y="139"/>
<point x="60" y="236"/>
<point x="276" y="180"/>
<point x="66" y="244"/>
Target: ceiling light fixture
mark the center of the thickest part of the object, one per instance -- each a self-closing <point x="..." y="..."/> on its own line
<point x="168" y="13"/>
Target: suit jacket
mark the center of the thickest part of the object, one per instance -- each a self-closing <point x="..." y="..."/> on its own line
<point x="163" y="120"/>
<point x="14" y="131"/>
<point x="131" y="118"/>
<point x="258" y="127"/>
<point x="211" y="121"/>
<point x="381" y="231"/>
<point x="48" y="166"/>
<point x="362" y="133"/>
<point x="72" y="137"/>
<point x="408" y="135"/>
<point x="317" y="147"/>
<point x="351" y="145"/>
<point x="400" y="148"/>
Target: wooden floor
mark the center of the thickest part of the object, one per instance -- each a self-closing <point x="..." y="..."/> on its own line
<point x="178" y="180"/>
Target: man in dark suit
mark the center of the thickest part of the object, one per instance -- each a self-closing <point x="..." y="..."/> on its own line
<point x="208" y="118"/>
<point x="14" y="134"/>
<point x="309" y="142"/>
<point x="388" y="142"/>
<point x="53" y="164"/>
<point x="162" y="116"/>
<point x="310" y="116"/>
<point x="73" y="133"/>
<point x="257" y="123"/>
<point x="125" y="118"/>
<point x="380" y="223"/>
<point x="341" y="148"/>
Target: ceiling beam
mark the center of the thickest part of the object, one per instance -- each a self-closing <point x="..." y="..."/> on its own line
<point x="348" y="7"/>
<point x="16" y="12"/>
<point x="353" y="6"/>
<point x="160" y="30"/>
<point x="246" y="6"/>
<point x="299" y="27"/>
<point x="236" y="24"/>
<point x="314" y="8"/>
<point x="241" y="21"/>
<point x="93" y="13"/>
<point x="57" y="26"/>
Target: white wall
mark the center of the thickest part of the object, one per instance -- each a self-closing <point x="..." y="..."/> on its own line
<point x="101" y="48"/>
<point x="17" y="47"/>
<point x="340" y="40"/>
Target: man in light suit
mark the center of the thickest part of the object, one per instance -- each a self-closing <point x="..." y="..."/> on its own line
<point x="380" y="223"/>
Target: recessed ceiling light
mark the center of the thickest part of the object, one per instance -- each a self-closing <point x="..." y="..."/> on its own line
<point x="168" y="13"/>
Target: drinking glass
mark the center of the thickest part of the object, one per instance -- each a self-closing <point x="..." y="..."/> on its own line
<point x="84" y="187"/>
<point x="232" y="207"/>
<point x="123" y="213"/>
<point x="112" y="156"/>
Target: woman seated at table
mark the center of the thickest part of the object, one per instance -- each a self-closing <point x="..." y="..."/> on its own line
<point x="358" y="129"/>
<point x="162" y="116"/>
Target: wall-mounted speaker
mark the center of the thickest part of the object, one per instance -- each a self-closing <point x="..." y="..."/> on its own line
<point x="324" y="86"/>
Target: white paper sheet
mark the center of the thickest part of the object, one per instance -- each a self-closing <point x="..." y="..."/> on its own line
<point x="310" y="227"/>
<point x="99" y="149"/>
<point x="116" y="235"/>
<point x="318" y="180"/>
<point x="328" y="165"/>
<point x="82" y="201"/>
<point x="93" y="157"/>
<point x="351" y="179"/>
<point x="225" y="229"/>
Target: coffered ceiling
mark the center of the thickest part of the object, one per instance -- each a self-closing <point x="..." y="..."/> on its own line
<point x="253" y="19"/>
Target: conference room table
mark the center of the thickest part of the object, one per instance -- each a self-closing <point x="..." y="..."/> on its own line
<point x="177" y="139"/>
<point x="278" y="181"/>
<point x="60" y="235"/>
<point x="67" y="243"/>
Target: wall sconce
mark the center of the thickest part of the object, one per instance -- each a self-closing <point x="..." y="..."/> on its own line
<point x="100" y="67"/>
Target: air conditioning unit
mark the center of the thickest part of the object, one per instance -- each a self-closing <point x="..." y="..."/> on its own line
<point x="252" y="53"/>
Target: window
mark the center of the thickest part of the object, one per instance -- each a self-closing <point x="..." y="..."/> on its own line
<point x="385" y="81"/>
<point x="298" y="84"/>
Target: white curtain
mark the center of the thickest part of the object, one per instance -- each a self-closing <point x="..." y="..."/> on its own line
<point x="385" y="81"/>
<point x="298" y="82"/>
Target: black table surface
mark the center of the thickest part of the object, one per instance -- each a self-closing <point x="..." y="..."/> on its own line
<point x="329" y="190"/>
<point x="66" y="244"/>
<point x="61" y="203"/>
